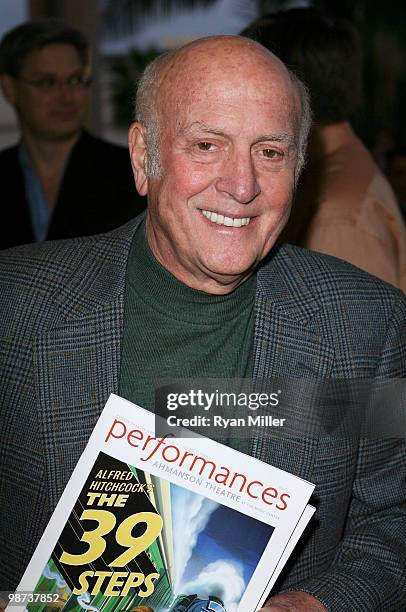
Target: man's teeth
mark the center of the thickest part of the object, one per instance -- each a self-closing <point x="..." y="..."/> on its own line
<point x="222" y="220"/>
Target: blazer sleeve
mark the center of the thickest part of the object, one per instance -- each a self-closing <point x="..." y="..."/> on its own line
<point x="368" y="572"/>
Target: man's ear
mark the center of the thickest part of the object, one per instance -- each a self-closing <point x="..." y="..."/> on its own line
<point x="8" y="88"/>
<point x="137" y="143"/>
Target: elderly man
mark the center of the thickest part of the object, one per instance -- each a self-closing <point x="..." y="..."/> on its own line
<point x="201" y="289"/>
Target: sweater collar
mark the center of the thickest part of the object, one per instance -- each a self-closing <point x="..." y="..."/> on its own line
<point x="163" y="292"/>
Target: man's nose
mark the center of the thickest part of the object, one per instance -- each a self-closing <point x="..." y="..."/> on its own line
<point x="64" y="95"/>
<point x="238" y="178"/>
<point x="65" y="91"/>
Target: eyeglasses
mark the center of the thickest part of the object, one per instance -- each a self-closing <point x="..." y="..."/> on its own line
<point x="50" y="84"/>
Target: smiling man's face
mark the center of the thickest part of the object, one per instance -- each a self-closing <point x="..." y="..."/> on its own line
<point x="227" y="143"/>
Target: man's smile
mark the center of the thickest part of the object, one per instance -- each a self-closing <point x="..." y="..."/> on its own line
<point x="223" y="220"/>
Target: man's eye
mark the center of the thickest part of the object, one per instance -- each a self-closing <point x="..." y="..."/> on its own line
<point x="47" y="83"/>
<point x="205" y="146"/>
<point x="272" y="153"/>
<point x="75" y="80"/>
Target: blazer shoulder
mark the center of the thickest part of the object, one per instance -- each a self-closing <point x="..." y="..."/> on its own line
<point x="105" y="152"/>
<point x="8" y="159"/>
<point x="9" y="152"/>
<point x="361" y="318"/>
<point x="71" y="276"/>
<point x="298" y="276"/>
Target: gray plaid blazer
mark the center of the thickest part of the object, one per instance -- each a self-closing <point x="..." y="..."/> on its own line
<point x="61" y="322"/>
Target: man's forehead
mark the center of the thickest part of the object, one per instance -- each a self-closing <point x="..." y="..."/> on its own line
<point x="50" y="55"/>
<point x="222" y="77"/>
<point x="218" y="70"/>
<point x="207" y="107"/>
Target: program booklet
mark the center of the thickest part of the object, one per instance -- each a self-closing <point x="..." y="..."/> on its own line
<point x="164" y="524"/>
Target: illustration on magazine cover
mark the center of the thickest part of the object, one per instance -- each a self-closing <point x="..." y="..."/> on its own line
<point x="134" y="541"/>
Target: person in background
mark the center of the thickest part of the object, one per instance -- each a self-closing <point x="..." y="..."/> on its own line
<point x="382" y="144"/>
<point x="59" y="181"/>
<point x="344" y="205"/>
<point x="396" y="174"/>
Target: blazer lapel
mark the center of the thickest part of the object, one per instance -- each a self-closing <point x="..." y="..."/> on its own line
<point x="16" y="226"/>
<point x="294" y="358"/>
<point x="77" y="367"/>
<point x="77" y="361"/>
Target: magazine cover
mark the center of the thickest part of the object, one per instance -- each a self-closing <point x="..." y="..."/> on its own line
<point x="164" y="525"/>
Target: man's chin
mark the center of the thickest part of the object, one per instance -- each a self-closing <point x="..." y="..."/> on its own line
<point x="235" y="267"/>
<point x="63" y="134"/>
<point x="224" y="279"/>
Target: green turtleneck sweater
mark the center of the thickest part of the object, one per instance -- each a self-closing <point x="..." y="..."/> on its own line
<point x="174" y="331"/>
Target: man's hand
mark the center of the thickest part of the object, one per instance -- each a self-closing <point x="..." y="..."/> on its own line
<point x="293" y="602"/>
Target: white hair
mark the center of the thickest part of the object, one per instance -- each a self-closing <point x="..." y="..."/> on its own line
<point x="146" y="111"/>
<point x="305" y="123"/>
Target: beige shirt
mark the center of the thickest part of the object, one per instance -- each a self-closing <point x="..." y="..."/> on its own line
<point x="357" y="217"/>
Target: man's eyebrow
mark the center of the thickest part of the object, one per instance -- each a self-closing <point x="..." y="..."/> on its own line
<point x="283" y="137"/>
<point x="200" y="126"/>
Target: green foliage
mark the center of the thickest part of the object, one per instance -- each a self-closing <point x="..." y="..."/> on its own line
<point x="126" y="71"/>
<point x="122" y="17"/>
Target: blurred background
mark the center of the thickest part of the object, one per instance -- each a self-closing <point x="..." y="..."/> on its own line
<point x="125" y="34"/>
